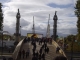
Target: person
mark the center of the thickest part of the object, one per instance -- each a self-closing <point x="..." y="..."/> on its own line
<point x="26" y="54"/>
<point x="34" y="53"/>
<point x="25" y="40"/>
<point x="10" y="58"/>
<point x="34" y="58"/>
<point x="60" y="58"/>
<point x="39" y="56"/>
<point x="28" y="51"/>
<point x="57" y="50"/>
<point x="33" y="50"/>
<point x="19" y="54"/>
<point x="23" y="52"/>
<point x="40" y="51"/>
<point x="4" y="58"/>
<point x="47" y="50"/>
<point x="43" y="56"/>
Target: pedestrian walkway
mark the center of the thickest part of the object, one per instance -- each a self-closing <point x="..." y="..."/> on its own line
<point x="52" y="51"/>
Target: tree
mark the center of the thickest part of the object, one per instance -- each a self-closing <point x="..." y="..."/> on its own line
<point x="77" y="13"/>
<point x="1" y="18"/>
<point x="71" y="37"/>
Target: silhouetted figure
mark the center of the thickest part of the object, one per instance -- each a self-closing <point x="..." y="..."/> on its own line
<point x="40" y="51"/>
<point x="47" y="49"/>
<point x="19" y="54"/>
<point x="4" y="58"/>
<point x="34" y="58"/>
<point x="34" y="46"/>
<point x="57" y="50"/>
<point x="28" y="51"/>
<point x="33" y="53"/>
<point x="45" y="45"/>
<point x="25" y="40"/>
<point x="42" y="46"/>
<point x="39" y="42"/>
<point x="33" y="49"/>
<point x="60" y="58"/>
<point x="39" y="56"/>
<point x="10" y="58"/>
<point x="43" y="56"/>
<point x="23" y="52"/>
<point x="26" y="54"/>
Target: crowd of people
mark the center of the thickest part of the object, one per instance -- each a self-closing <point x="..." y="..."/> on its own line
<point x="24" y="53"/>
<point x="42" y="51"/>
<point x="36" y="54"/>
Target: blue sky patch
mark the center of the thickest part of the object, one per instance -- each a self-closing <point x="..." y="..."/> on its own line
<point x="60" y="6"/>
<point x="3" y="1"/>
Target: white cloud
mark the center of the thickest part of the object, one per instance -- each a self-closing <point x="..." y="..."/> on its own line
<point x="40" y="10"/>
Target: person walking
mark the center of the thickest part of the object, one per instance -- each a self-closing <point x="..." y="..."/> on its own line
<point x="47" y="50"/>
<point x="28" y="51"/>
<point x="23" y="52"/>
<point x="26" y="54"/>
<point x="40" y="51"/>
<point x="57" y="50"/>
<point x="60" y="58"/>
<point x="4" y="58"/>
<point x="43" y="56"/>
<point x="20" y="54"/>
<point x="39" y="56"/>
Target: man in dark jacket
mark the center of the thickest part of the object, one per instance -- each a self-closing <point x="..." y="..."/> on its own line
<point x="23" y="52"/>
<point x="47" y="49"/>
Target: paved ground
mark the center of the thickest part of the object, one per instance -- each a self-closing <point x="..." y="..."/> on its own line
<point x="49" y="56"/>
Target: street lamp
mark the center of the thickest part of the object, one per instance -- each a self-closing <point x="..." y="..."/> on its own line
<point x="20" y="30"/>
<point x="1" y="33"/>
<point x="72" y="49"/>
<point x="2" y="41"/>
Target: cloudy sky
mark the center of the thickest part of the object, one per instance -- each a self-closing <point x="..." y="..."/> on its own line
<point x="40" y="9"/>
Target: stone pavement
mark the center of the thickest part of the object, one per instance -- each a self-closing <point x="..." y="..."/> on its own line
<point x="49" y="56"/>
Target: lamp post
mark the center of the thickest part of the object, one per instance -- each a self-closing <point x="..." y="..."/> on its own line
<point x="1" y="14"/>
<point x="2" y="40"/>
<point x="72" y="49"/>
<point x="20" y="30"/>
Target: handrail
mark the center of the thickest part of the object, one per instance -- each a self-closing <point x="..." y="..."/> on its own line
<point x="17" y="49"/>
<point x="60" y="51"/>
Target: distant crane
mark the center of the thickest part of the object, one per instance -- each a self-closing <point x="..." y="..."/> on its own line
<point x="33" y="28"/>
<point x="48" y="29"/>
